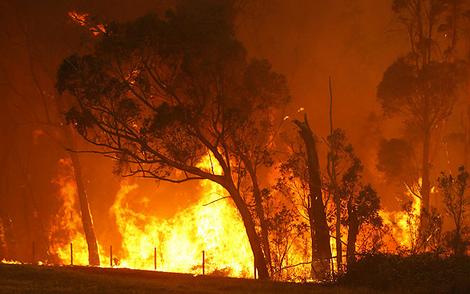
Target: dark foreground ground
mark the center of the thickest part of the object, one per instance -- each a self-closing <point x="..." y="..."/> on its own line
<point x="375" y="274"/>
<point x="42" y="279"/>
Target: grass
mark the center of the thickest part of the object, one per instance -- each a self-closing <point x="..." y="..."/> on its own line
<point x="372" y="274"/>
<point x="45" y="279"/>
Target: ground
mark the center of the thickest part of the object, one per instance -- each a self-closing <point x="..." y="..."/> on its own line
<point x="44" y="279"/>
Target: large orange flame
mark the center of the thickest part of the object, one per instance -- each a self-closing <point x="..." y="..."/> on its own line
<point x="213" y="227"/>
<point x="67" y="226"/>
<point x="176" y="244"/>
<point x="404" y="225"/>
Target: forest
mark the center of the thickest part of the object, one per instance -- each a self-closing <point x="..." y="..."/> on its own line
<point x="286" y="141"/>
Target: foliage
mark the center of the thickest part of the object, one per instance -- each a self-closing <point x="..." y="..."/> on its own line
<point x="158" y="94"/>
<point x="426" y="95"/>
<point x="395" y="158"/>
<point x="411" y="273"/>
<point x="456" y="204"/>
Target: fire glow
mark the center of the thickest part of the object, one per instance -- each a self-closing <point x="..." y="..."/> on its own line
<point x="176" y="244"/>
<point x="214" y="228"/>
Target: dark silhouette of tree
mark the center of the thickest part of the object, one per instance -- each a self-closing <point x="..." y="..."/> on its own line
<point x="332" y="157"/>
<point x="359" y="202"/>
<point x="49" y="115"/>
<point x="395" y="160"/>
<point x="422" y="86"/>
<point x="456" y="204"/>
<point x="158" y="94"/>
<point x="319" y="230"/>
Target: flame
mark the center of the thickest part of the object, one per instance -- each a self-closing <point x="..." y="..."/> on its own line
<point x="404" y="225"/>
<point x="212" y="225"/>
<point x="215" y="228"/>
<point x="5" y="261"/>
<point x="67" y="227"/>
<point x="84" y="20"/>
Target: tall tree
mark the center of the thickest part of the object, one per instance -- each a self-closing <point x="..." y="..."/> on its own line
<point x="332" y="157"/>
<point x="423" y="85"/>
<point x="158" y="94"/>
<point x="320" y="232"/>
<point x="48" y="113"/>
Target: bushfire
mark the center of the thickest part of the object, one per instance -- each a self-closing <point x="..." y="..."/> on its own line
<point x="211" y="227"/>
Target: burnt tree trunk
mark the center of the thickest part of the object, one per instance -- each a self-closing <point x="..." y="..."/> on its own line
<point x="253" y="238"/>
<point x="316" y="210"/>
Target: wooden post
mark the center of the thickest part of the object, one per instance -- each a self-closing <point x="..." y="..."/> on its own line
<point x="254" y="269"/>
<point x="71" y="254"/>
<point x="155" y="258"/>
<point x="111" y="255"/>
<point x="203" y="263"/>
<point x="33" y="261"/>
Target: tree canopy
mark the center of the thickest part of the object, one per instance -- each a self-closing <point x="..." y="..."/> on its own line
<point x="160" y="93"/>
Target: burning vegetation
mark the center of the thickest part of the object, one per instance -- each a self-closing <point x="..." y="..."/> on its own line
<point x="177" y="98"/>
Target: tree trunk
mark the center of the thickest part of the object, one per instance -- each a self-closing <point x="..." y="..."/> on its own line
<point x="336" y="195"/>
<point x="425" y="193"/>
<point x="261" y="216"/>
<point x="426" y="184"/>
<point x="353" y="230"/>
<point x="87" y="221"/>
<point x="253" y="238"/>
<point x="316" y="211"/>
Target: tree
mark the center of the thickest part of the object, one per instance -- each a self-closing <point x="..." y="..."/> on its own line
<point x="157" y="94"/>
<point x="332" y="157"/>
<point x="456" y="203"/>
<point x="320" y="232"/>
<point x="359" y="202"/>
<point x="46" y="109"/>
<point x="423" y="85"/>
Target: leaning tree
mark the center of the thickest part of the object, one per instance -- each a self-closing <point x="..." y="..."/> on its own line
<point x="159" y="93"/>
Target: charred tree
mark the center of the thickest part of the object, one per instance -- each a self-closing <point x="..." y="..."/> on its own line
<point x="320" y="234"/>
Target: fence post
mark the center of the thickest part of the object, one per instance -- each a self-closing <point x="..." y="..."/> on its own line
<point x="111" y="255"/>
<point x="71" y="253"/>
<point x="155" y="258"/>
<point x="254" y="269"/>
<point x="203" y="262"/>
<point x="33" y="261"/>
